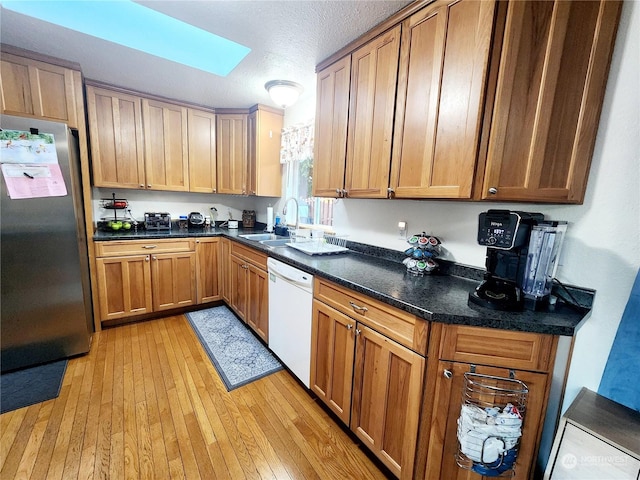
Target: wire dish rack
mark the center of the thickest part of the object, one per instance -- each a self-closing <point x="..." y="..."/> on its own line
<point x="317" y="242"/>
<point x="490" y="424"/>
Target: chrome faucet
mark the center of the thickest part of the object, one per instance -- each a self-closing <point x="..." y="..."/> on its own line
<point x="284" y="210"/>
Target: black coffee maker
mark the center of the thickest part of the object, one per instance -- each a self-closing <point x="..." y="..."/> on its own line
<point x="506" y="235"/>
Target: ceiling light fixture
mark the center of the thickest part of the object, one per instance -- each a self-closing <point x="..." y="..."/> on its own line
<point x="283" y="92"/>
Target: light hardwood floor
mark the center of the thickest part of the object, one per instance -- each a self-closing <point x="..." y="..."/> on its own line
<point x="146" y="402"/>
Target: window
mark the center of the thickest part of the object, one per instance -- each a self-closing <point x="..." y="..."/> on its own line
<point x="297" y="155"/>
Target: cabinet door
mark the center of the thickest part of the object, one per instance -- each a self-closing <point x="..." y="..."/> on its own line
<point x="40" y="90"/>
<point x="332" y="114"/>
<point x="231" y="153"/>
<point x="387" y="390"/>
<point x="208" y="268"/>
<point x="202" y="151"/>
<point x="239" y="285"/>
<point x="225" y="262"/>
<point x="165" y="146"/>
<point x="443" y="441"/>
<point x="124" y="286"/>
<point x="443" y="70"/>
<point x="374" y="72"/>
<point x="332" y="353"/>
<point x="264" y="171"/>
<point x="174" y="282"/>
<point x="551" y="84"/>
<point x="258" y="302"/>
<point x="117" y="150"/>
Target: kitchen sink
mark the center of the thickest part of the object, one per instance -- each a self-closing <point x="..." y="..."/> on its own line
<point x="276" y="242"/>
<point x="259" y="237"/>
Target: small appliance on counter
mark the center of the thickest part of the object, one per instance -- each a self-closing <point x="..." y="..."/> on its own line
<point x="522" y="252"/>
<point x="157" y="221"/>
<point x="196" y="220"/>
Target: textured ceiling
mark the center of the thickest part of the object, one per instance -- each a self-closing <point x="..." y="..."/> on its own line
<point x="287" y="40"/>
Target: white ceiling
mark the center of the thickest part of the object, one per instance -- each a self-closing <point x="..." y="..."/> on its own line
<point x="287" y="40"/>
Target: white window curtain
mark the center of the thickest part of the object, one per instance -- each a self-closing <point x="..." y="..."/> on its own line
<point x="296" y="153"/>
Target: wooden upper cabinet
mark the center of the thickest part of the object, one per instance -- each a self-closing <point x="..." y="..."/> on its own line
<point x="231" y="152"/>
<point x="165" y="144"/>
<point x="332" y="114"/>
<point x="264" y="133"/>
<point x="40" y="90"/>
<point x="374" y="72"/>
<point x="550" y="88"/>
<point x="444" y="62"/>
<point x="202" y="151"/>
<point x="117" y="148"/>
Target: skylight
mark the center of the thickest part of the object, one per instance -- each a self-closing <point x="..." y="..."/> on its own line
<point x="141" y="28"/>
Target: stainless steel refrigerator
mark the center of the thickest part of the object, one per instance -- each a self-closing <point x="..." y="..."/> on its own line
<point x="46" y="311"/>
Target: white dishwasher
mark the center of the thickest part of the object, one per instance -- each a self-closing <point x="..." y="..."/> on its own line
<point x="290" y="301"/>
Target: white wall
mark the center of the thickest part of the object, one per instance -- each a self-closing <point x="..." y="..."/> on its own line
<point x="602" y="248"/>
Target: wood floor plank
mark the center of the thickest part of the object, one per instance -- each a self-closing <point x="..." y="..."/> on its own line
<point x="27" y="462"/>
<point x="10" y="431"/>
<point x="149" y="361"/>
<point x="130" y="437"/>
<point x="16" y="451"/>
<point x="87" y="459"/>
<point x="147" y="402"/>
<point x="49" y="440"/>
<point x="80" y="422"/>
<point x="217" y="391"/>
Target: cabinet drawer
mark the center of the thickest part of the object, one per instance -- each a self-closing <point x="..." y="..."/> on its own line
<point x="500" y="348"/>
<point x="136" y="247"/>
<point x="404" y="328"/>
<point x="250" y="255"/>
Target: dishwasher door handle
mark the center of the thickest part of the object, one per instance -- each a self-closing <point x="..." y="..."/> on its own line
<point x="293" y="281"/>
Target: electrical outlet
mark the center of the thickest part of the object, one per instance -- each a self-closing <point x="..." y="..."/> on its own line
<point x="402" y="229"/>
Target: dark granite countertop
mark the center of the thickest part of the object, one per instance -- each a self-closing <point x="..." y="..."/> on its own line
<point x="439" y="298"/>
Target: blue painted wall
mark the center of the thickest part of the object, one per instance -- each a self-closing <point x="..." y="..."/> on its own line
<point x="620" y="378"/>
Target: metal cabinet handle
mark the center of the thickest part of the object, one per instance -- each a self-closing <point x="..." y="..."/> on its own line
<point x="214" y="190"/>
<point x="493" y="190"/>
<point x="358" y="331"/>
<point x="448" y="374"/>
<point x="390" y="192"/>
<point x="142" y="185"/>
<point x="344" y="192"/>
<point x="349" y="326"/>
<point x="154" y="257"/>
<point x="358" y="308"/>
<point x="148" y="247"/>
<point x="338" y="192"/>
<point x="148" y="185"/>
<point x="146" y="259"/>
<point x="245" y="266"/>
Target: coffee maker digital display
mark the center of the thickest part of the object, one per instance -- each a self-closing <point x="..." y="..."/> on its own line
<point x="506" y="235"/>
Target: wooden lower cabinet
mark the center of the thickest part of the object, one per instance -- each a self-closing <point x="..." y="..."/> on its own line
<point x="249" y="289"/>
<point x="258" y="302"/>
<point x="173" y="280"/>
<point x="332" y="355"/>
<point x="225" y="269"/>
<point x="208" y="270"/>
<point x="387" y="390"/>
<point x="372" y="383"/>
<point x="443" y="440"/>
<point x="124" y="286"/>
<point x="138" y="277"/>
<point x="239" y="283"/>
